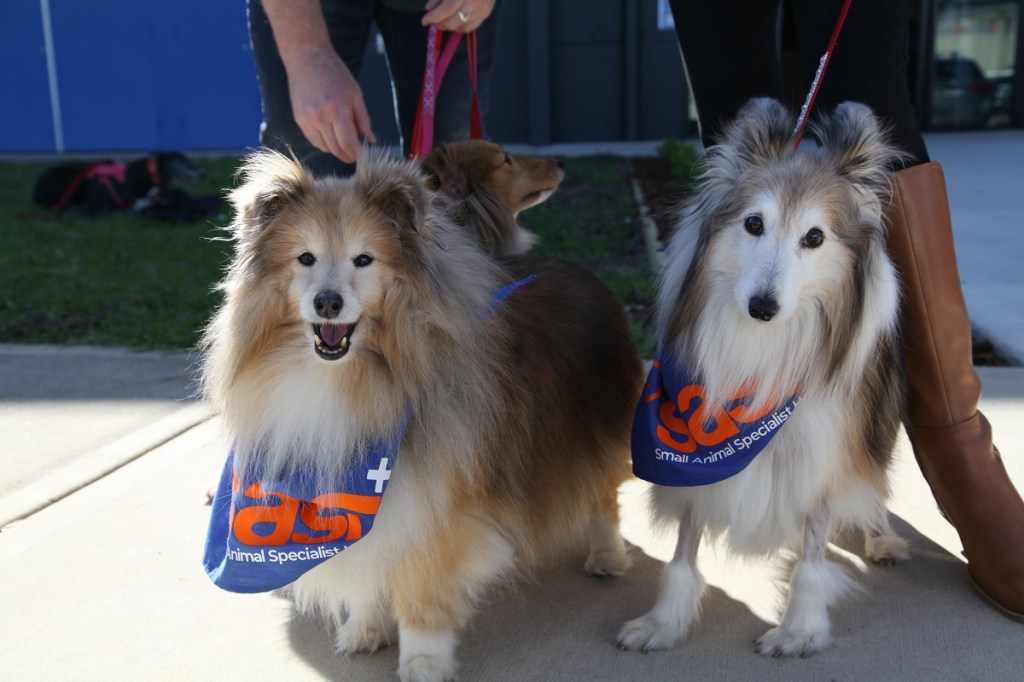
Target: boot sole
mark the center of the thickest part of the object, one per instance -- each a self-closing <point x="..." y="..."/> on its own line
<point x="1012" y="615"/>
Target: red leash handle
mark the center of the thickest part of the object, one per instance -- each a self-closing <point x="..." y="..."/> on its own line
<point x="438" y="60"/>
<point x="805" y="112"/>
<point x="476" y="122"/>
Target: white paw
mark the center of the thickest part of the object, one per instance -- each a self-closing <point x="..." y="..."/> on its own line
<point x="886" y="550"/>
<point x="355" y="638"/>
<point x="647" y="633"/>
<point x="607" y="562"/>
<point x="425" y="668"/>
<point x="779" y="642"/>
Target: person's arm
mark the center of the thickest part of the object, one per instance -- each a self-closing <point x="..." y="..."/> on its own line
<point x="327" y="101"/>
<point x="448" y="14"/>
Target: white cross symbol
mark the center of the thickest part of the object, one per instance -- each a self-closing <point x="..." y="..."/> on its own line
<point x="379" y="475"/>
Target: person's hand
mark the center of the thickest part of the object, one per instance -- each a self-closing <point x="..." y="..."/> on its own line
<point x="328" y="105"/>
<point x="463" y="16"/>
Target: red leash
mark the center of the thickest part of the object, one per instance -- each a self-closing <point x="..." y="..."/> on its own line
<point x="438" y="60"/>
<point x="816" y="84"/>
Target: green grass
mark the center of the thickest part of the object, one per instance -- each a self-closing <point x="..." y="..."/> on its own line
<point x="591" y="221"/>
<point x="130" y="281"/>
<point x="683" y="160"/>
<point x="121" y="280"/>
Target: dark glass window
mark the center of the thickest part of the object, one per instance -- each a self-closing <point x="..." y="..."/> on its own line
<point x="973" y="65"/>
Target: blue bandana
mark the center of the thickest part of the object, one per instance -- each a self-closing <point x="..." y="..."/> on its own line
<point x="264" y="533"/>
<point x="679" y="440"/>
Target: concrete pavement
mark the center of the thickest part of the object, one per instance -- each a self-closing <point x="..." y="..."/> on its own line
<point x="102" y="506"/>
<point x="72" y="415"/>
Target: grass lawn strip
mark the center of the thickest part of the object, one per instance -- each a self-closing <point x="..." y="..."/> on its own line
<point x="130" y="281"/>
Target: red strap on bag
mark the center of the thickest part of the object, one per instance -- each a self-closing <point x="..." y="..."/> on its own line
<point x="438" y="60"/>
<point x="107" y="172"/>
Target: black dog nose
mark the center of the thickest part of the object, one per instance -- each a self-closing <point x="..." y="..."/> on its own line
<point x="327" y="304"/>
<point x="762" y="308"/>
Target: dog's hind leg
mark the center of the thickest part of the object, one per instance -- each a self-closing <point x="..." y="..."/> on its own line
<point x="881" y="544"/>
<point x="678" y="604"/>
<point x="607" y="548"/>
<point x="815" y="584"/>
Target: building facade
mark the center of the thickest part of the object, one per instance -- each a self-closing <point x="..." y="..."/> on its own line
<point x="129" y="75"/>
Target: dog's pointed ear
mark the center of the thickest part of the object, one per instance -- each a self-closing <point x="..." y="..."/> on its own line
<point x="270" y="181"/>
<point x="396" y="188"/>
<point x="761" y="133"/>
<point x="444" y="175"/>
<point x="857" y="144"/>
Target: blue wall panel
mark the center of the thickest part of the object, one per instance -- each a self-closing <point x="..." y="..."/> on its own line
<point x="26" y="123"/>
<point x="140" y="75"/>
<point x="207" y="93"/>
<point x="133" y="75"/>
<point x="104" y="52"/>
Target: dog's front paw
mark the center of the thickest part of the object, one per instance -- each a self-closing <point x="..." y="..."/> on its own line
<point x="886" y="550"/>
<point x="647" y="633"/>
<point x="426" y="656"/>
<point x="607" y="562"/>
<point x="426" y="668"/>
<point x="780" y="641"/>
<point x="355" y="638"/>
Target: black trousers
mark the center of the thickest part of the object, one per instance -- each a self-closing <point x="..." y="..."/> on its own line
<point x="349" y="24"/>
<point x="731" y="53"/>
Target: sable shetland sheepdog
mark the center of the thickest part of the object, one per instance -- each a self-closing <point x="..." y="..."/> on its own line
<point x="776" y="279"/>
<point x="354" y="307"/>
<point x="488" y="187"/>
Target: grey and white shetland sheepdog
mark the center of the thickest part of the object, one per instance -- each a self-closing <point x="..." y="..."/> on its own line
<point x="778" y="279"/>
<point x="355" y="306"/>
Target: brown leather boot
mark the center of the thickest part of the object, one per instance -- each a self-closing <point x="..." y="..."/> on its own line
<point x="952" y="440"/>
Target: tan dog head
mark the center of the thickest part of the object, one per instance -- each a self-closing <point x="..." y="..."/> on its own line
<point x="488" y="187"/>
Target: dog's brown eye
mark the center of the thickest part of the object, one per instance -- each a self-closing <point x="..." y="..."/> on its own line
<point x="508" y="158"/>
<point x="307" y="258"/>
<point x="362" y="260"/>
<point x="754" y="225"/>
<point x="813" y="238"/>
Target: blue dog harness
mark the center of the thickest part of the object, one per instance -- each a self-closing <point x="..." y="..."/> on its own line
<point x="680" y="440"/>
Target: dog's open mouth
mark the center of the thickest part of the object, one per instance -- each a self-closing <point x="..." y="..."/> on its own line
<point x="332" y="341"/>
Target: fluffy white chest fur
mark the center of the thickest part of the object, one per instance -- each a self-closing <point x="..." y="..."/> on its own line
<point x="764" y="507"/>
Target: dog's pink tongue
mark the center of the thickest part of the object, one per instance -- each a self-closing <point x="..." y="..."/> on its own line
<point x="332" y="334"/>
